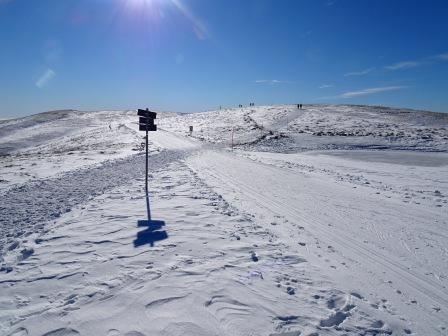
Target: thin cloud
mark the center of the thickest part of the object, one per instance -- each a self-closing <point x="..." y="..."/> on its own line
<point x="413" y="64"/>
<point x="365" y="92"/>
<point x="271" y="81"/>
<point x="440" y="57"/>
<point x="359" y="73"/>
<point x="326" y="86"/>
<point x="46" y="77"/>
<point x="403" y="65"/>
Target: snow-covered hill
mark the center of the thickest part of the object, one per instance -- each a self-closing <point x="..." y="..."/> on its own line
<point x="286" y="128"/>
<point x="45" y="144"/>
<point x="331" y="220"/>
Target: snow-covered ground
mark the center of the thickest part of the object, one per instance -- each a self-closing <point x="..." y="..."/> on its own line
<point x="331" y="220"/>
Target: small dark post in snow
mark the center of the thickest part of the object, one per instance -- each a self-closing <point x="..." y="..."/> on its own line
<point x="146" y="123"/>
<point x="191" y="130"/>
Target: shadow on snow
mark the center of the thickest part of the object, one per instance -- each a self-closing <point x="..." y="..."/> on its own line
<point x="151" y="234"/>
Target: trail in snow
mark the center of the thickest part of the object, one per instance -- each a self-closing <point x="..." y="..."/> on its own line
<point x="26" y="208"/>
<point x="347" y="251"/>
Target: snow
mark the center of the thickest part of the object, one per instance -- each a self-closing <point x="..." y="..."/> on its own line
<point x="331" y="220"/>
<point x="286" y="128"/>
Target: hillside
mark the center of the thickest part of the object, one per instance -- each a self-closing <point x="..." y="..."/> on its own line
<point x="330" y="220"/>
<point x="286" y="128"/>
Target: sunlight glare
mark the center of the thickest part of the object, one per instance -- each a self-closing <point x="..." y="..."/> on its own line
<point x="140" y="3"/>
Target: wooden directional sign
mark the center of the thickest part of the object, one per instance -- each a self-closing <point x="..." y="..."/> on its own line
<point x="147" y="127"/>
<point x="143" y="120"/>
<point x="147" y="114"/>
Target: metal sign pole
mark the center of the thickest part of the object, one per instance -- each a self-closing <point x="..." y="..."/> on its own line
<point x="148" y="210"/>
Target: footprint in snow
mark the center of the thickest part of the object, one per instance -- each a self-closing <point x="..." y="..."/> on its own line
<point x="357" y="295"/>
<point x="377" y="324"/>
<point x="254" y="256"/>
<point x="62" y="332"/>
<point x="290" y="290"/>
<point x="334" y="320"/>
<point x="19" y="332"/>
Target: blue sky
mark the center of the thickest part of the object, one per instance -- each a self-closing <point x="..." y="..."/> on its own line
<point x="192" y="55"/>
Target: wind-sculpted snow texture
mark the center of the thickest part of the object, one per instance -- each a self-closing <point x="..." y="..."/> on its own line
<point x="25" y="208"/>
<point x="217" y="273"/>
<point x="331" y="220"/>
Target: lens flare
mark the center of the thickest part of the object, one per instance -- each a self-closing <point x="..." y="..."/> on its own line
<point x="154" y="11"/>
<point x="141" y="5"/>
<point x="141" y="2"/>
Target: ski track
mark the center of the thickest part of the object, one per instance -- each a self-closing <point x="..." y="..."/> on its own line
<point x="215" y="167"/>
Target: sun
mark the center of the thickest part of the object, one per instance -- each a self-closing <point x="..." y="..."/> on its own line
<point x="154" y="12"/>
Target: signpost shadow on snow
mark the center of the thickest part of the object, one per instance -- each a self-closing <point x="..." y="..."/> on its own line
<point x="151" y="234"/>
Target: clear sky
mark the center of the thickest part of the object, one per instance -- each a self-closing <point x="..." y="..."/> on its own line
<point x="192" y="55"/>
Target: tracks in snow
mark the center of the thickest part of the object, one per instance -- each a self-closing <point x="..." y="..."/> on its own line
<point x="214" y="166"/>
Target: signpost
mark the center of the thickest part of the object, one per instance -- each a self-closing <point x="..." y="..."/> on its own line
<point x="152" y="233"/>
<point x="146" y="123"/>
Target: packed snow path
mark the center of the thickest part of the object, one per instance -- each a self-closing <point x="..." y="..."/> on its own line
<point x="335" y="224"/>
<point x="293" y="203"/>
